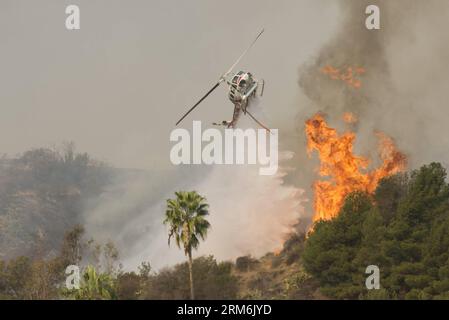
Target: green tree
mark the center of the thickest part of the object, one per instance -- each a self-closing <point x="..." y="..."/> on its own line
<point x="404" y="231"/>
<point x="72" y="246"/>
<point x="131" y="284"/>
<point x="332" y="248"/>
<point x="95" y="286"/>
<point x="185" y="217"/>
<point x="213" y="280"/>
<point x="15" y="276"/>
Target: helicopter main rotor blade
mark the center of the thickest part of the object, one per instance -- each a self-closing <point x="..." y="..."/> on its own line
<point x="257" y="121"/>
<point x="201" y="100"/>
<point x="243" y="54"/>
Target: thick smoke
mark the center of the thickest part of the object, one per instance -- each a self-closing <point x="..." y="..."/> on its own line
<point x="249" y="213"/>
<point x="404" y="91"/>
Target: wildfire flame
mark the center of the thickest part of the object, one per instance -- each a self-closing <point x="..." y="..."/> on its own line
<point x="347" y="172"/>
<point x="347" y="74"/>
<point x="349" y="117"/>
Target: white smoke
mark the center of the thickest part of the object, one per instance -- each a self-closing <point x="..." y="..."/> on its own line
<point x="249" y="213"/>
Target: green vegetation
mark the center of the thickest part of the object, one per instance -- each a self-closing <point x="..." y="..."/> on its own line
<point x="185" y="217"/>
<point x="95" y="286"/>
<point x="212" y="281"/>
<point x="403" y="229"/>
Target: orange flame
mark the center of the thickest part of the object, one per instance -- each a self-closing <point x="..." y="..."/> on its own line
<point x="347" y="171"/>
<point x="349" y="117"/>
<point x="347" y="75"/>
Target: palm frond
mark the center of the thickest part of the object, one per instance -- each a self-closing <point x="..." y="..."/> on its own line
<point x="185" y="217"/>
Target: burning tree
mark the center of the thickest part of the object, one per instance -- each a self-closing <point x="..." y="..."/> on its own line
<point x="347" y="172"/>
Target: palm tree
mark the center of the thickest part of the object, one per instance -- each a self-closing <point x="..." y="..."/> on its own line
<point x="185" y="217"/>
<point x="94" y="286"/>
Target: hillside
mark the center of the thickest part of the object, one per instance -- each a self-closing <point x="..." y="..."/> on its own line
<point x="402" y="228"/>
<point x="42" y="193"/>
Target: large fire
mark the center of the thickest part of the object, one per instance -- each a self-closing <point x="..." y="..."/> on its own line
<point x="347" y="172"/>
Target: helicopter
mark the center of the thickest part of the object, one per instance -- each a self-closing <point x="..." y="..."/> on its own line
<point x="242" y="87"/>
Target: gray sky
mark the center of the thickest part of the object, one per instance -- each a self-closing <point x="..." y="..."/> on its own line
<point x="117" y="86"/>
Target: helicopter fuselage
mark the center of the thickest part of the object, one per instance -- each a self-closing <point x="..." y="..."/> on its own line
<point x="241" y="86"/>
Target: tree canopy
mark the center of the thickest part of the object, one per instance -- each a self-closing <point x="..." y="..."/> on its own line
<point x="403" y="229"/>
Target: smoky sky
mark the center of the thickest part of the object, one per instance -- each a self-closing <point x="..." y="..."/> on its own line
<point x="117" y="86"/>
<point x="405" y="89"/>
